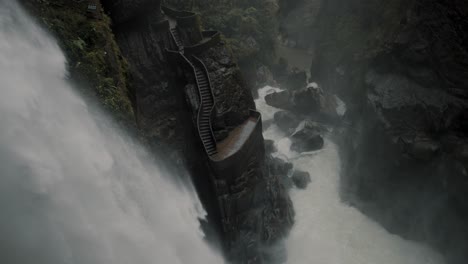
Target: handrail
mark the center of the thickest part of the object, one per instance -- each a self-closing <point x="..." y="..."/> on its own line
<point x="176" y="13"/>
<point x="212" y="96"/>
<point x="180" y="48"/>
<point x="213" y="38"/>
<point x="200" y="107"/>
<point x="209" y="33"/>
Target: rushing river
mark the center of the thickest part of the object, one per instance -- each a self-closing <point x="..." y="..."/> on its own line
<point x="327" y="231"/>
<point x="73" y="189"/>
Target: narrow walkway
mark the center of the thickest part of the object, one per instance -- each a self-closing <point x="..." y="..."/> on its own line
<point x="206" y="97"/>
<point x="206" y="107"/>
<point x="236" y="139"/>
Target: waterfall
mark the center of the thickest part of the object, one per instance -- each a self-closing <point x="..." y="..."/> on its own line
<point x="73" y="188"/>
<point x="327" y="231"/>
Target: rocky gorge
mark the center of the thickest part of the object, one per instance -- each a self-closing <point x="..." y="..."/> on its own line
<point x="182" y="76"/>
<point x="400" y="66"/>
<point x="156" y="49"/>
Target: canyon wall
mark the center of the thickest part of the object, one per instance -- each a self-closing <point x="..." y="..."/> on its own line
<point x="401" y="68"/>
<point x="158" y="94"/>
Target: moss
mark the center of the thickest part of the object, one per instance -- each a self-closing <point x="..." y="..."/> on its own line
<point x="94" y="59"/>
<point x="241" y="22"/>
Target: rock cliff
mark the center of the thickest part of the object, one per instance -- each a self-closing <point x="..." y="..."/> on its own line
<point x="248" y="208"/>
<point x="401" y="68"/>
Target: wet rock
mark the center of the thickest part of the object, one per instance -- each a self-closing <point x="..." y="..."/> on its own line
<point x="416" y="94"/>
<point x="307" y="100"/>
<point x="301" y="179"/>
<point x="424" y="149"/>
<point x="461" y="153"/>
<point x="264" y="77"/>
<point x="286" y="120"/>
<point x="295" y="80"/>
<point x="221" y="134"/>
<point x="281" y="169"/>
<point x="312" y="100"/>
<point x="270" y="146"/>
<point x="308" y="137"/>
<point x="279" y="99"/>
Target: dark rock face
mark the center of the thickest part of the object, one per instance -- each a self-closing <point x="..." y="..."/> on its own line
<point x="264" y="77"/>
<point x="281" y="169"/>
<point x="406" y="93"/>
<point x="307" y="100"/>
<point x="248" y="207"/>
<point x="286" y="120"/>
<point x="279" y="99"/>
<point x="295" y="80"/>
<point x="313" y="101"/>
<point x="232" y="95"/>
<point x="401" y="156"/>
<point x="301" y="179"/>
<point x="308" y="137"/>
<point x="270" y="146"/>
<point x="125" y="10"/>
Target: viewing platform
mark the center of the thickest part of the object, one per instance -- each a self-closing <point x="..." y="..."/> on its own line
<point x="236" y="139"/>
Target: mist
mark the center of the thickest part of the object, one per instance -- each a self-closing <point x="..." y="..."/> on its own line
<point x="75" y="189"/>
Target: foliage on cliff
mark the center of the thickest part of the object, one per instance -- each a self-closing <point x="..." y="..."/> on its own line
<point x="250" y="26"/>
<point x="94" y="59"/>
<point x="350" y="34"/>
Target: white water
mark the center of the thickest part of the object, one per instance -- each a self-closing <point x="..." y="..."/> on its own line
<point x="73" y="190"/>
<point x="327" y="231"/>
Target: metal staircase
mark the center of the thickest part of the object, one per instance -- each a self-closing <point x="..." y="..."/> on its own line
<point x="177" y="40"/>
<point x="207" y="102"/>
<point x="206" y="106"/>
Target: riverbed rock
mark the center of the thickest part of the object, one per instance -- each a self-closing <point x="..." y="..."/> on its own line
<point x="264" y="77"/>
<point x="286" y="120"/>
<point x="279" y="99"/>
<point x="307" y="100"/>
<point x="270" y="146"/>
<point x="295" y="80"/>
<point x="308" y="137"/>
<point x="282" y="169"/>
<point x="312" y="100"/>
<point x="301" y="179"/>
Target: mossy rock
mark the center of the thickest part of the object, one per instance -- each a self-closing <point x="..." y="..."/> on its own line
<point x="94" y="60"/>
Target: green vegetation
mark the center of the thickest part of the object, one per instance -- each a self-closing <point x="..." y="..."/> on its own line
<point x="94" y="59"/>
<point x="249" y="26"/>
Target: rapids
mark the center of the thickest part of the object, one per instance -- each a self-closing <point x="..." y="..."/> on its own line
<point x="327" y="231"/>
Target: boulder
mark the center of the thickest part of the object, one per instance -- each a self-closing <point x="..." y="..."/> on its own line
<point x="281" y="169"/>
<point x="286" y="120"/>
<point x="301" y="179"/>
<point x="424" y="149"/>
<point x="313" y="100"/>
<point x="279" y="99"/>
<point x="307" y="100"/>
<point x="270" y="146"/>
<point x="308" y="137"/>
<point x="296" y="80"/>
<point x="264" y="77"/>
